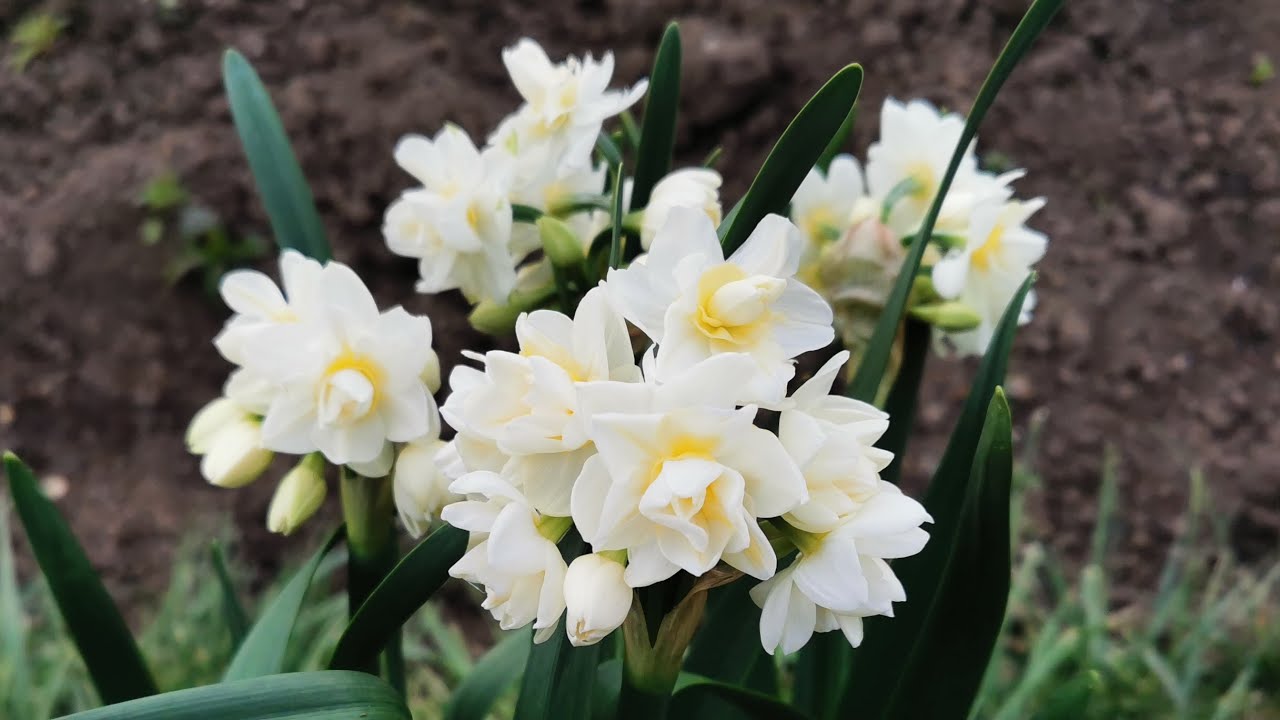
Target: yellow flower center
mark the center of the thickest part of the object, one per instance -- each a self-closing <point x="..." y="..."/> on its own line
<point x="925" y="179"/>
<point x="349" y="390"/>
<point x="735" y="309"/>
<point x="984" y="255"/>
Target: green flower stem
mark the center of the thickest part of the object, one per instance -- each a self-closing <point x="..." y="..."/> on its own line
<point x="369" y="511"/>
<point x="650" y="669"/>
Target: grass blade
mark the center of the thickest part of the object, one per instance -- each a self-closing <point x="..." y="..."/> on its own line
<point x="615" y="220"/>
<point x="496" y="671"/>
<point x="876" y="359"/>
<point x="324" y="695"/>
<point x="658" y="133"/>
<point x="281" y="185"/>
<point x="263" y="649"/>
<point x="100" y="633"/>
<point x="232" y="610"/>
<point x="901" y="403"/>
<point x="795" y="153"/>
<point x="405" y="589"/>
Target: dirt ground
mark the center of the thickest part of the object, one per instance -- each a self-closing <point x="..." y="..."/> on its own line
<point x="1158" y="327"/>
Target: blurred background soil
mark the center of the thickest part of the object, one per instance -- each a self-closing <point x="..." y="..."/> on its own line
<point x="1158" y="326"/>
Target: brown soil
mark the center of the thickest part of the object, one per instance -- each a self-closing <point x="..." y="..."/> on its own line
<point x="1158" y="323"/>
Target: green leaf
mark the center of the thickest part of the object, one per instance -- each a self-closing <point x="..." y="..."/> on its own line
<point x="901" y="403"/>
<point x="608" y="150"/>
<point x="889" y="641"/>
<point x="615" y="240"/>
<point x="658" y="134"/>
<point x="821" y="671"/>
<point x="284" y="191"/>
<point x="795" y="153"/>
<point x="870" y="371"/>
<point x="405" y="589"/>
<point x="263" y="649"/>
<point x="753" y="704"/>
<point x="726" y="648"/>
<point x="324" y="695"/>
<point x="559" y="679"/>
<point x="945" y="669"/>
<point x="232" y="611"/>
<point x="838" y="140"/>
<point x="485" y="683"/>
<point x="525" y="214"/>
<point x="100" y="633"/>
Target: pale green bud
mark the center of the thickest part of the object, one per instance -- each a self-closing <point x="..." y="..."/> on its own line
<point x="299" y="495"/>
<point x="951" y="316"/>
<point x="559" y="242"/>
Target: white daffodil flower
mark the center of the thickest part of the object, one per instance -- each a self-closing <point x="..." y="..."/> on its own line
<point x="526" y="404"/>
<point x="906" y="165"/>
<point x="516" y="560"/>
<point x="832" y="440"/>
<point x="682" y="487"/>
<point x="841" y="576"/>
<point x="693" y="303"/>
<point x="258" y="303"/>
<point x="419" y="485"/>
<point x="566" y="103"/>
<point x="299" y="495"/>
<point x="985" y="275"/>
<point x="349" y="379"/>
<point x="597" y="598"/>
<point x="697" y="188"/>
<point x="458" y="224"/>
<point x="230" y="439"/>
<point x="823" y="205"/>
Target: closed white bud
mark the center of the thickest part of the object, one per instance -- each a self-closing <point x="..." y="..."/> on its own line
<point x="431" y="373"/>
<point x="209" y="421"/>
<point x="597" y="598"/>
<point x="697" y="188"/>
<point x="298" y="496"/>
<point x="234" y="456"/>
<point x="419" y="487"/>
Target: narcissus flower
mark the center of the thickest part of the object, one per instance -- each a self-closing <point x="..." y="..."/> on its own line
<point x="348" y="379"/>
<point x="697" y="188"/>
<point x="841" y="576"/>
<point x="458" y="224"/>
<point x="515" y="559"/>
<point x="230" y="439"/>
<point x="419" y="485"/>
<point x="823" y="204"/>
<point x="693" y="303"/>
<point x="597" y="599"/>
<point x="985" y="275"/>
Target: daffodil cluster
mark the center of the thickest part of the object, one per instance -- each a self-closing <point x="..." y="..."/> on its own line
<point x="858" y="224"/>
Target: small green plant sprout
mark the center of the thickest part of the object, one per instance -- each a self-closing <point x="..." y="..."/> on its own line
<point x="32" y="37"/>
<point x="997" y="162"/>
<point x="1263" y="69"/>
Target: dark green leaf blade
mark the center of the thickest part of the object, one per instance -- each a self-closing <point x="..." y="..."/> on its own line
<point x="726" y="648"/>
<point x="324" y="695"/>
<point x="901" y="403"/>
<point x="942" y="676"/>
<point x="889" y="642"/>
<point x="405" y="589"/>
<point x="115" y="665"/>
<point x="821" y="671"/>
<point x="281" y="184"/>
<point x="838" y="140"/>
<point x="496" y="671"/>
<point x="753" y="704"/>
<point x="794" y="155"/>
<point x="263" y="649"/>
<point x="232" y="611"/>
<point x="615" y="221"/>
<point x="658" y="132"/>
<point x="870" y="371"/>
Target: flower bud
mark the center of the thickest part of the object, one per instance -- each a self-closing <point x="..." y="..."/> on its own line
<point x="559" y="242"/>
<point x="688" y="187"/>
<point x="431" y="373"/>
<point x="234" y="455"/>
<point x="209" y="421"/>
<point x="418" y="485"/>
<point x="298" y="496"/>
<point x="597" y="599"/>
<point x="950" y="316"/>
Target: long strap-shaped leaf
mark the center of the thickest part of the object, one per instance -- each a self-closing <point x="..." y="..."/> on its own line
<point x="496" y="671"/>
<point x="284" y="190"/>
<point x="726" y="649"/>
<point x="942" y="675"/>
<point x="889" y="642"/>
<point x="405" y="589"/>
<point x="757" y="706"/>
<point x="232" y="611"/>
<point x="263" y="649"/>
<point x="324" y="695"/>
<point x="100" y="633"/>
<point x="901" y="403"/>
<point x="795" y="153"/>
<point x="658" y="132"/>
<point x="867" y="379"/>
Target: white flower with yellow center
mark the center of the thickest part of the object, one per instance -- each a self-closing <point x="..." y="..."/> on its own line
<point x="824" y="203"/>
<point x="681" y="484"/>
<point x="693" y="303"/>
<point x="832" y="440"/>
<point x="349" y="379"/>
<point x="526" y="404"/>
<point x="697" y="188"/>
<point x="458" y="224"/>
<point x="906" y="166"/>
<point x="565" y="103"/>
<point x="513" y="554"/>
<point x="842" y="576"/>
<point x="985" y="275"/>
